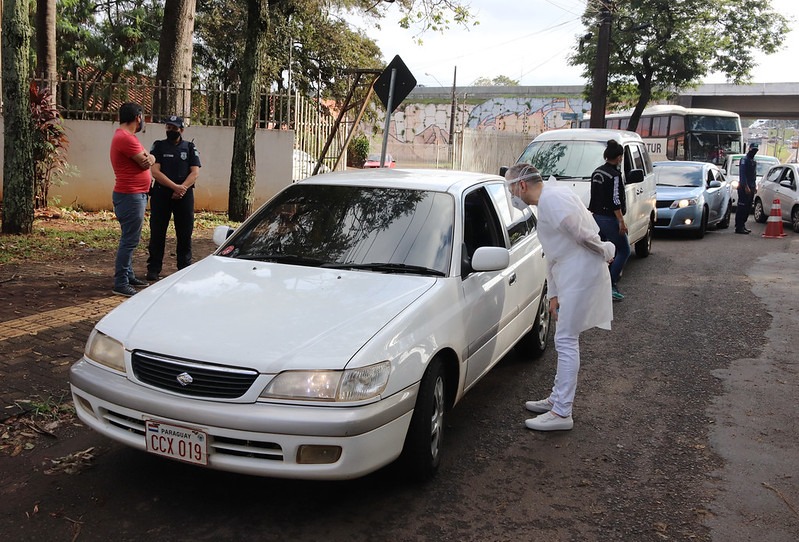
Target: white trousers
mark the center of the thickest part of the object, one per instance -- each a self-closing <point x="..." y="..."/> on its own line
<point x="568" y="349"/>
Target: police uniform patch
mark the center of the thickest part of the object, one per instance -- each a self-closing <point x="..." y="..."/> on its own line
<point x="184" y="155"/>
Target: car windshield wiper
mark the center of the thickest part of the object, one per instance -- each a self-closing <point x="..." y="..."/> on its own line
<point x="389" y="268"/>
<point x="562" y="177"/>
<point x="290" y="259"/>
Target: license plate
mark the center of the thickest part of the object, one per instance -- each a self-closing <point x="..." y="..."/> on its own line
<point x="181" y="443"/>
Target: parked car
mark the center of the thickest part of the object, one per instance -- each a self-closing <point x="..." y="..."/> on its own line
<point x="373" y="161"/>
<point x="732" y="170"/>
<point x="303" y="166"/>
<point x="572" y="155"/>
<point x="779" y="183"/>
<point x="692" y="196"/>
<point x="329" y="334"/>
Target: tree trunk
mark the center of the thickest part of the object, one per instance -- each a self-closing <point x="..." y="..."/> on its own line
<point x="173" y="74"/>
<point x="242" y="169"/>
<point x="18" y="132"/>
<point x="45" y="43"/>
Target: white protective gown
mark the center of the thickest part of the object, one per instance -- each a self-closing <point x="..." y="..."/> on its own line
<point x="577" y="268"/>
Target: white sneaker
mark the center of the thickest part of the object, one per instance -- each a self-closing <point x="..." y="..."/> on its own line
<point x="538" y="406"/>
<point x="549" y="421"/>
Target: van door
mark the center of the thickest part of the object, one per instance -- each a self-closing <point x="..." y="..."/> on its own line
<point x="637" y="217"/>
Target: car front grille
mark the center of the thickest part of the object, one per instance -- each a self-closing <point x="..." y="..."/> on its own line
<point x="191" y="378"/>
<point x="248" y="448"/>
<point x="664" y="204"/>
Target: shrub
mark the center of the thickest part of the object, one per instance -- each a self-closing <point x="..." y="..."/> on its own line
<point x="357" y="151"/>
<point x="49" y="144"/>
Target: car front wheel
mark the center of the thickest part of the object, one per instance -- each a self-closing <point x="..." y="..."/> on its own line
<point x="700" y="233"/>
<point x="725" y="222"/>
<point x="421" y="453"/>
<point x="795" y="219"/>
<point x="643" y="248"/>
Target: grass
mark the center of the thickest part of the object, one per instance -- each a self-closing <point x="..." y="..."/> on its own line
<point x="59" y="232"/>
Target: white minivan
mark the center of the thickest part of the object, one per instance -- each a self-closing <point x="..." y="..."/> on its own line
<point x="572" y="155"/>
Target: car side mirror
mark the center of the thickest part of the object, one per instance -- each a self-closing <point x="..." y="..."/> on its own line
<point x="503" y="170"/>
<point x="221" y="233"/>
<point x="490" y="259"/>
<point x="635" y="176"/>
<point x="713" y="184"/>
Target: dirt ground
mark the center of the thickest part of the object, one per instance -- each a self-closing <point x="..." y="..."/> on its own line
<point x="685" y="425"/>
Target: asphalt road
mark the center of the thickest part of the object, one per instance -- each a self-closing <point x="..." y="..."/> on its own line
<point x="685" y="429"/>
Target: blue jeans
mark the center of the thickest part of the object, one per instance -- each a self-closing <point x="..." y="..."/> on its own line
<point x="609" y="231"/>
<point x="129" y="209"/>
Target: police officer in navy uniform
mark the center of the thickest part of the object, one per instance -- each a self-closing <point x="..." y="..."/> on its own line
<point x="177" y="166"/>
<point x="747" y="186"/>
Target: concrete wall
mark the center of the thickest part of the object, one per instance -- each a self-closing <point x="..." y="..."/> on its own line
<point x="91" y="188"/>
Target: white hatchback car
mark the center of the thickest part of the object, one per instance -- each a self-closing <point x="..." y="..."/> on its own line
<point x="329" y="334"/>
<point x="779" y="183"/>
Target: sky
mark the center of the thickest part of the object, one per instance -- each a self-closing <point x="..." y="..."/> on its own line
<point x="529" y="41"/>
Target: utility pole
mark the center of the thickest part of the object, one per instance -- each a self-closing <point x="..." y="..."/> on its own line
<point x="452" y="120"/>
<point x="599" y="96"/>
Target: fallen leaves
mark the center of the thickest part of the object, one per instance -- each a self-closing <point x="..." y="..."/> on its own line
<point x="72" y="463"/>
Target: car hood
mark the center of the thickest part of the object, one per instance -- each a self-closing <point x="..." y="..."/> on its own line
<point x="265" y="316"/>
<point x="667" y="193"/>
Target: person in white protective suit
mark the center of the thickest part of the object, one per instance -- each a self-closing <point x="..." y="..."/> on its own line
<point x="578" y="283"/>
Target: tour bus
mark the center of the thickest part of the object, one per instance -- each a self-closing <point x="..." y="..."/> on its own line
<point x="673" y="132"/>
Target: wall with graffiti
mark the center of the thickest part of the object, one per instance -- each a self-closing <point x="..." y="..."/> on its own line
<point x="430" y="124"/>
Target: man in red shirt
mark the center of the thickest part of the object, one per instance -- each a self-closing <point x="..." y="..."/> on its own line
<point x="131" y="164"/>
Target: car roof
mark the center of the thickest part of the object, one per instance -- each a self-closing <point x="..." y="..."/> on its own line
<point x="437" y="180"/>
<point x="588" y="134"/>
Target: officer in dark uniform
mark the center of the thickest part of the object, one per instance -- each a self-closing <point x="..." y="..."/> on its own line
<point x="747" y="186"/>
<point x="176" y="168"/>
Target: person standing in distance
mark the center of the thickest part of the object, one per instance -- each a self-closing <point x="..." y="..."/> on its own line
<point x="608" y="205"/>
<point x="177" y="166"/>
<point x="577" y="279"/>
<point x="747" y="186"/>
<point x="131" y="164"/>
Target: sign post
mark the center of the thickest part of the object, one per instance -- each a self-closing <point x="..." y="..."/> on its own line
<point x="393" y="86"/>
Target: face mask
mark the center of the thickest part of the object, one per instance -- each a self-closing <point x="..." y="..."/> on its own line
<point x="172" y="135"/>
<point x="140" y="126"/>
<point x="518" y="203"/>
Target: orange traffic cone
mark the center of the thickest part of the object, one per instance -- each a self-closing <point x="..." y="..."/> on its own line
<point x="774" y="223"/>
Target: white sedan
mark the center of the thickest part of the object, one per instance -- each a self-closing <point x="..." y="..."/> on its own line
<point x="329" y="334"/>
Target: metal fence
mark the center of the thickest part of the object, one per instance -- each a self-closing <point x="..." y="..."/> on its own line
<point x="89" y="97"/>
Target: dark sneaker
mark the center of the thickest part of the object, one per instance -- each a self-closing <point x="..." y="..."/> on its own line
<point x="126" y="290"/>
<point x="152" y="276"/>
<point x="138" y="282"/>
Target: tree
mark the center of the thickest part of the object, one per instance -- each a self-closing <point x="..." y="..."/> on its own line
<point x="498" y="81"/>
<point x="659" y="47"/>
<point x="242" y="168"/>
<point x="18" y="138"/>
<point x="174" y="72"/>
<point x="46" y="40"/>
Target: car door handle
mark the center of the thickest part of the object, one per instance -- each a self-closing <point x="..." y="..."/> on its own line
<point x="512" y="278"/>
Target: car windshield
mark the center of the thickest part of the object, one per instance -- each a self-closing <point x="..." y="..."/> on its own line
<point x="382" y="229"/>
<point x="763" y="165"/>
<point x="565" y="159"/>
<point x="678" y="176"/>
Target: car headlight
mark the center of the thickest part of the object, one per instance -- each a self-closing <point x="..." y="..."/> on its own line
<point x="104" y="350"/>
<point x="682" y="203"/>
<point x="348" y="385"/>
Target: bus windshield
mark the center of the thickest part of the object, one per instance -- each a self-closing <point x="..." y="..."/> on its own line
<point x="711" y="147"/>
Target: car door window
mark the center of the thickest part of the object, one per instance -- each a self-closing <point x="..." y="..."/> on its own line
<point x="774" y="175"/>
<point x="480" y="222"/>
<point x="519" y="223"/>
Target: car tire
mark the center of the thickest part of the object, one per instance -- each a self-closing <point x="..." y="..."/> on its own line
<point x="795" y="219"/>
<point x="533" y="344"/>
<point x="421" y="453"/>
<point x="700" y="233"/>
<point x="535" y="341"/>
<point x="759" y="212"/>
<point x="643" y="247"/>
<point x="725" y="222"/>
